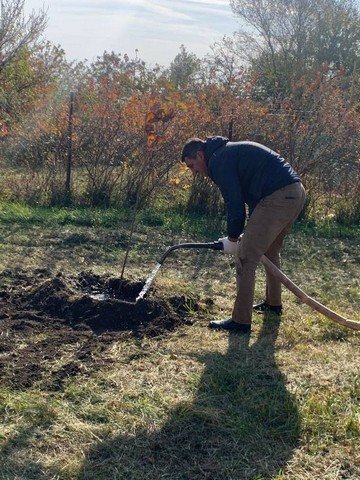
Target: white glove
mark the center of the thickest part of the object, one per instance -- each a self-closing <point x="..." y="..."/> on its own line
<point x="229" y="246"/>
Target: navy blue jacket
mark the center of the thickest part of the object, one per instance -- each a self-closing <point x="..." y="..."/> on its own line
<point x="245" y="172"/>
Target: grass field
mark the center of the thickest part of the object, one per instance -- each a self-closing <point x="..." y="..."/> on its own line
<point x="188" y="403"/>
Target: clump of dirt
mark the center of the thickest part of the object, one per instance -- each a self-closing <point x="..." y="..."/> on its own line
<point x="51" y="296"/>
<point x="44" y="319"/>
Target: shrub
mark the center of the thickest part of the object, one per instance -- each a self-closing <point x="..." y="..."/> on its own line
<point x="348" y="213"/>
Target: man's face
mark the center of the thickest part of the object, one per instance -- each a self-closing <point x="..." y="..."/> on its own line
<point x="197" y="164"/>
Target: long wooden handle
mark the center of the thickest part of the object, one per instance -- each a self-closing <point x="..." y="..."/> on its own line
<point x="306" y="299"/>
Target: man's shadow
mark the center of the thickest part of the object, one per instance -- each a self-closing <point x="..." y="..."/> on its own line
<point x="243" y="424"/>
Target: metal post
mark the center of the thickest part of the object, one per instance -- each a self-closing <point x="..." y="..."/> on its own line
<point x="69" y="155"/>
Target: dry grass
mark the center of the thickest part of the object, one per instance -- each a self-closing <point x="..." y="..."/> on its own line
<point x="195" y="404"/>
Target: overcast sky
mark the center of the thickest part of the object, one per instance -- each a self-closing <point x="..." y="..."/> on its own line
<point x="157" y="28"/>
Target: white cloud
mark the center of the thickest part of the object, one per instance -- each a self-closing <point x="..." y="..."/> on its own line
<point x="157" y="28"/>
<point x="97" y="7"/>
<point x="209" y="2"/>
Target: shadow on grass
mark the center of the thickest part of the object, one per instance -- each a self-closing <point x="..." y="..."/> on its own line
<point x="243" y="424"/>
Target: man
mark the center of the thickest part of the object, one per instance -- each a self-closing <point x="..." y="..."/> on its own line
<point x="252" y="174"/>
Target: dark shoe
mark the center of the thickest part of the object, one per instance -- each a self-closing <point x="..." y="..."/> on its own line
<point x="230" y="325"/>
<point x="263" y="307"/>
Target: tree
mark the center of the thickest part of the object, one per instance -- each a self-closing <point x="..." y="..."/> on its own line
<point x="336" y="39"/>
<point x="228" y="83"/>
<point x="183" y="69"/>
<point x="287" y="39"/>
<point x="224" y="65"/>
<point x="18" y="70"/>
<point x="17" y="32"/>
<point x="128" y="73"/>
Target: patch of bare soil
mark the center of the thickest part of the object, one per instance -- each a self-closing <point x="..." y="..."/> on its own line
<point x="52" y="328"/>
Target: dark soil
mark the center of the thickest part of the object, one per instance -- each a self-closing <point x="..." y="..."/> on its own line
<point x="52" y="328"/>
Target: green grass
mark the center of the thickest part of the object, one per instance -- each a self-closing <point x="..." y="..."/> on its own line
<point x="11" y="213"/>
<point x="194" y="404"/>
<point x="166" y="218"/>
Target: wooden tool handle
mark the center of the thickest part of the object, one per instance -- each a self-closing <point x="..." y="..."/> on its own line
<point x="306" y="299"/>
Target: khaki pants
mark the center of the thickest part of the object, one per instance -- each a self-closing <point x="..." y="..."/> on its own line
<point x="265" y="231"/>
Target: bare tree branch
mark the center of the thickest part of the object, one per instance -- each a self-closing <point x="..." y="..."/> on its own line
<point x="16" y="31"/>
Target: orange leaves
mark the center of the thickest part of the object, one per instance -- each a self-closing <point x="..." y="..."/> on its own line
<point x="159" y="114"/>
<point x="154" y="140"/>
<point x="149" y="121"/>
<point x="160" y="110"/>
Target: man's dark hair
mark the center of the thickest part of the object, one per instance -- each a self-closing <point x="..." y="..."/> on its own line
<point x="191" y="147"/>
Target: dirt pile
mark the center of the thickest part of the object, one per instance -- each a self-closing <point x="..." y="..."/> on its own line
<point x="44" y="319"/>
<point x="99" y="302"/>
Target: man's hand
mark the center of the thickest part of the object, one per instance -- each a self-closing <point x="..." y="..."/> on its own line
<point x="230" y="245"/>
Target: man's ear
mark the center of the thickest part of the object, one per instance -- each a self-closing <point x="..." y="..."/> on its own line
<point x="200" y="154"/>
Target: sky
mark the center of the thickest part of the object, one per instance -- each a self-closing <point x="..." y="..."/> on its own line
<point x="156" y="28"/>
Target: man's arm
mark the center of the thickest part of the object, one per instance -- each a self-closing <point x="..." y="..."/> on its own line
<point x="225" y="176"/>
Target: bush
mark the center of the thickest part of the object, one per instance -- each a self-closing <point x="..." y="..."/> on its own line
<point x="347" y="213"/>
<point x="205" y="198"/>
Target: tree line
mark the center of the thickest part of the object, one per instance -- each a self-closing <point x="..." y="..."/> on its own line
<point x="289" y="79"/>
